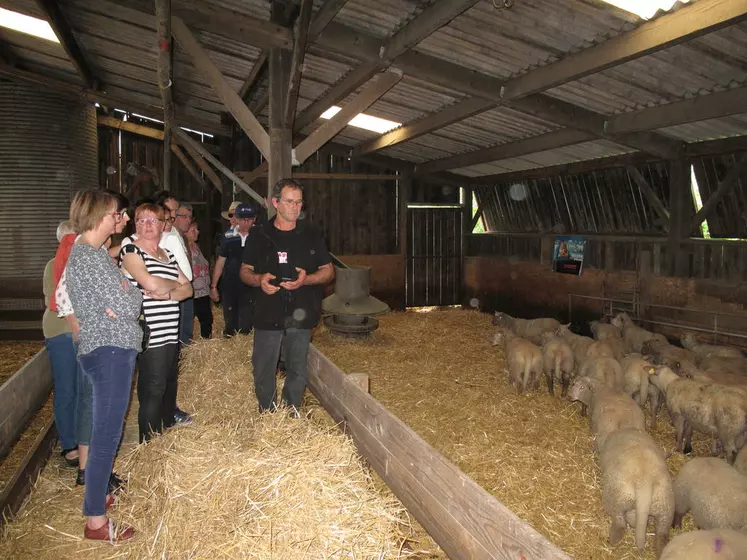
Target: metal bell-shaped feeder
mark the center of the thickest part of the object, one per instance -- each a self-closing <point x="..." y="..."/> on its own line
<point x="350" y="310"/>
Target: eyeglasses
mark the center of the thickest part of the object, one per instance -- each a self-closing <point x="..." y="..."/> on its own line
<point x="148" y="221"/>
<point x="116" y="215"/>
<point x="291" y="202"/>
<point x="184" y="215"/>
<point x="171" y="219"/>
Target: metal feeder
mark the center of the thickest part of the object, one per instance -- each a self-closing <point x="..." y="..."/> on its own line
<point x="351" y="308"/>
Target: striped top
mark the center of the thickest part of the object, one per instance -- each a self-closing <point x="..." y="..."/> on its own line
<point x="161" y="316"/>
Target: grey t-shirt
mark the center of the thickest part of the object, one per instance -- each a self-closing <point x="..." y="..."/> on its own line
<point x="95" y="283"/>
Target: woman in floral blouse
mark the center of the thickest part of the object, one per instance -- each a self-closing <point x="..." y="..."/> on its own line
<point x="200" y="282"/>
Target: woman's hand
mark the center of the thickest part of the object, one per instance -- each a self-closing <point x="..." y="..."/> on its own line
<point x="214" y="294"/>
<point x="111" y="313"/>
<point x="157" y="295"/>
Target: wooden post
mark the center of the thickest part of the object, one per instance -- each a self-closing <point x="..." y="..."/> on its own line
<point x="404" y="188"/>
<point x="679" y="215"/>
<point x="645" y="269"/>
<point x="281" y="137"/>
<point x="163" y="27"/>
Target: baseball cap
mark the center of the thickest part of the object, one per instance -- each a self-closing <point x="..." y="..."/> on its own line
<point x="231" y="209"/>
<point x="245" y="211"/>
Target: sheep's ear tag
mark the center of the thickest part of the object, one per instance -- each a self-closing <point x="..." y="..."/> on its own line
<point x="651" y="371"/>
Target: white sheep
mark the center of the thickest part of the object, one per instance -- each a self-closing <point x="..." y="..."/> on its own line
<point x="634" y="335"/>
<point x="702" y="351"/>
<point x="531" y="329"/>
<point x="524" y="360"/>
<point x="636" y="485"/>
<point x="716" y="544"/>
<point x="558" y="362"/>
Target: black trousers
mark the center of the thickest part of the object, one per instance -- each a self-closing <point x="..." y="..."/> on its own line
<point x="267" y="349"/>
<point x="157" y="384"/>
<point x="204" y="314"/>
<point x="238" y="309"/>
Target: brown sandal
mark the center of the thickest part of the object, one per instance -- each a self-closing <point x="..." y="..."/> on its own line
<point x="109" y="531"/>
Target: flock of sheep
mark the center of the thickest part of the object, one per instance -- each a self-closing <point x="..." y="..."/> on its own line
<point x="613" y="375"/>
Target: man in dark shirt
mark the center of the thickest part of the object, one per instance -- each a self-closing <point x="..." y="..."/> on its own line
<point x="235" y="296"/>
<point x="288" y="264"/>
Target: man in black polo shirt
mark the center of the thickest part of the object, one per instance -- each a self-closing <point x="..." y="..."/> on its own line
<point x="288" y="264"/>
<point x="235" y="296"/>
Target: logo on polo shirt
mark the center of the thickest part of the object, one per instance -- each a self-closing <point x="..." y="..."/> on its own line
<point x="282" y="257"/>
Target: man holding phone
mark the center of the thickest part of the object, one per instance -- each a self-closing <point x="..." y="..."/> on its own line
<point x="288" y="264"/>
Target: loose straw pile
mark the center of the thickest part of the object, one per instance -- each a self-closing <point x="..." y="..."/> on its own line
<point x="232" y="485"/>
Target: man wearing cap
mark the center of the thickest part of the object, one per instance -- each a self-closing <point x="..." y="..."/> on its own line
<point x="235" y="296"/>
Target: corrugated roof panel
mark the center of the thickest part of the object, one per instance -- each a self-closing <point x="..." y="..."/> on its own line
<point x="505" y="42"/>
<point x="27" y="7"/>
<point x="381" y="18"/>
<point x="413" y="152"/>
<point x="712" y="129"/>
<point x="255" y="8"/>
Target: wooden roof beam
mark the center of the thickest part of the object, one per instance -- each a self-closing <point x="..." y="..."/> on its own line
<point x="454" y="113"/>
<point x="248" y="122"/>
<point x="377" y="88"/>
<point x="349" y="42"/>
<point x="689" y="22"/>
<point x="543" y="142"/>
<point x="299" y="53"/>
<point x="324" y="15"/>
<point x="700" y="108"/>
<point x="650" y="195"/>
<point x="188" y="165"/>
<point x="61" y="28"/>
<point x="417" y="29"/>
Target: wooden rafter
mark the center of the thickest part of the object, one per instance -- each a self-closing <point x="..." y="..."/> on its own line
<point x="201" y="163"/>
<point x="378" y="87"/>
<point x="257" y="69"/>
<point x="454" y="113"/>
<point x="61" y="28"/>
<point x="352" y="43"/>
<point x="687" y="23"/>
<point x="188" y="165"/>
<point x="248" y="122"/>
<point x="550" y="140"/>
<point x="417" y="29"/>
<point x="324" y="15"/>
<point x="299" y="52"/>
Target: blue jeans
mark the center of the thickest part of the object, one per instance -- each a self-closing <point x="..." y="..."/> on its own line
<point x="64" y="363"/>
<point x="110" y="370"/>
<point x="186" y="320"/>
<point x="265" y="355"/>
<point x="84" y="421"/>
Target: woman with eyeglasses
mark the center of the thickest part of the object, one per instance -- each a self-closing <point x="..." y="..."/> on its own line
<point x="107" y="308"/>
<point x="155" y="272"/>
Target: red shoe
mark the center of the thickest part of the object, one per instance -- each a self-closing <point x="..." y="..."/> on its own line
<point x="109" y="531"/>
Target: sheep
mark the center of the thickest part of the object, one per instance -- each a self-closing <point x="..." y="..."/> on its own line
<point x="523" y="358"/>
<point x="721" y="378"/>
<point x="531" y="329"/>
<point x="634" y="336"/>
<point x="605" y="331"/>
<point x="558" y="362"/>
<point x="603" y="368"/>
<point x="712" y="409"/>
<point x="610" y="409"/>
<point x="740" y="463"/>
<point x="732" y="366"/>
<point x="636" y="370"/>
<point x="635" y="485"/>
<point x="702" y="351"/>
<point x="717" y="544"/>
<point x="713" y="492"/>
<point x="583" y="346"/>
<point x="664" y="354"/>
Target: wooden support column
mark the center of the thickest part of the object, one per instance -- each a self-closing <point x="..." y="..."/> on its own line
<point x="403" y="194"/>
<point x="281" y="137"/>
<point x="163" y="29"/>
<point x="679" y="195"/>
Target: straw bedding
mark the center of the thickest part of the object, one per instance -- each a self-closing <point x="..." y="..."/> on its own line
<point x="13" y="355"/>
<point x="439" y="373"/>
<point x="232" y="485"/>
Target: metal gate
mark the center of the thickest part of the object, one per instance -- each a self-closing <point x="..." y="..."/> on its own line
<point x="434" y="257"/>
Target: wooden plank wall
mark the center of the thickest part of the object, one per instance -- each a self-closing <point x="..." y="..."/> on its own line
<point x="718" y="260"/>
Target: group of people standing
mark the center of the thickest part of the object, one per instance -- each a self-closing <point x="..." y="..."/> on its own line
<point x="114" y="305"/>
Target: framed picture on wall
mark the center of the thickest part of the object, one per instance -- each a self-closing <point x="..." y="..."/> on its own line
<point x="568" y="254"/>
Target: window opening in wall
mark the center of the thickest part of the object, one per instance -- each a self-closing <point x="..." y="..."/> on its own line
<point x="695" y="189"/>
<point x="480" y="225"/>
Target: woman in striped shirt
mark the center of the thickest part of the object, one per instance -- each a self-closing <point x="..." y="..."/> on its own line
<point x="155" y="273"/>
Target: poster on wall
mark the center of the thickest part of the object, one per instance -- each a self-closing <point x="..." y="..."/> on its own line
<point x="568" y="254"/>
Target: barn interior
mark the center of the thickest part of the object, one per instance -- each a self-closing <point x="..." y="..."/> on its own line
<point x="447" y="145"/>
